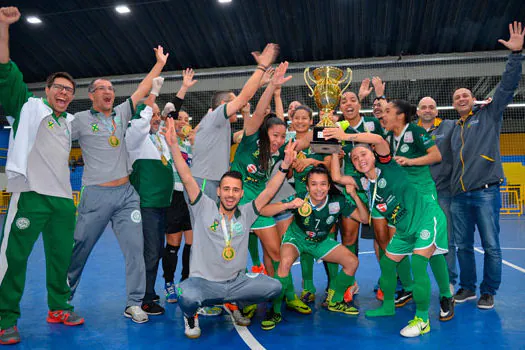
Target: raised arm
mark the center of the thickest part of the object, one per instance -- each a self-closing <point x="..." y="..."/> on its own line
<point x="275" y="182"/>
<point x="379" y="86"/>
<point x="264" y="60"/>
<point x="279" y="108"/>
<point x="364" y="89"/>
<point x="276" y="208"/>
<point x="145" y="85"/>
<point x="187" y="82"/>
<point x="8" y="16"/>
<point x="191" y="186"/>
<point x="251" y="125"/>
<point x="360" y="214"/>
<point x="381" y="146"/>
<point x="335" y="172"/>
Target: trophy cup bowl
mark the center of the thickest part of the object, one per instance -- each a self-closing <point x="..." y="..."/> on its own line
<point x="326" y="93"/>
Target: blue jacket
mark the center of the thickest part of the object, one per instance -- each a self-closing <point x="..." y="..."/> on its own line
<point x="475" y="143"/>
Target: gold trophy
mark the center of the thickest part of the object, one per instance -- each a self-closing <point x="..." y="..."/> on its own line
<point x="326" y="93"/>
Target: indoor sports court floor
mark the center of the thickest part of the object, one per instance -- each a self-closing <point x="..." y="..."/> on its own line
<point x="101" y="297"/>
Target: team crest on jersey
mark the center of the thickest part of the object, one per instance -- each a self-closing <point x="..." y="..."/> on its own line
<point x="330" y="220"/>
<point x="381" y="183"/>
<point x="135" y="216"/>
<point x="425" y="234"/>
<point x="370" y="126"/>
<point x="94" y="127"/>
<point x="333" y="208"/>
<point x="404" y="149"/>
<point x="237" y="228"/>
<point x="382" y="207"/>
<point x="251" y="168"/>
<point x="22" y="223"/>
<point x="215" y="225"/>
<point x="307" y="220"/>
<point x="256" y="153"/>
<point x="50" y="125"/>
<point x="408" y="138"/>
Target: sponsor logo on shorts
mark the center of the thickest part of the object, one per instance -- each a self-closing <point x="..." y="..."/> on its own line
<point x="330" y="220"/>
<point x="404" y="149"/>
<point x="251" y="168"/>
<point x="135" y="216"/>
<point x="408" y="138"/>
<point x="381" y="183"/>
<point x="310" y="233"/>
<point x="425" y="234"/>
<point x="333" y="208"/>
<point x="382" y="207"/>
<point x="22" y="223"/>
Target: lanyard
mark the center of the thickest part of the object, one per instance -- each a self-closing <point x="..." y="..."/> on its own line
<point x="157" y="142"/>
<point x="227" y="235"/>
<point x="400" y="138"/>
<point x="371" y="200"/>
<point x="112" y="127"/>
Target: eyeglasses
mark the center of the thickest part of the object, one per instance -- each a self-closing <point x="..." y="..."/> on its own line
<point x="61" y="88"/>
<point x="156" y="114"/>
<point x="103" y="88"/>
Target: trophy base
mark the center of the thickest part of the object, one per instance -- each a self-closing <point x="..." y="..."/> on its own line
<point x="325" y="148"/>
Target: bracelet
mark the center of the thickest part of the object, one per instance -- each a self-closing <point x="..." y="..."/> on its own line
<point x="262" y="68"/>
<point x="283" y="170"/>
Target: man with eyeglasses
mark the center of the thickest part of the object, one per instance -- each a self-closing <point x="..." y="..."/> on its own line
<point x="38" y="179"/>
<point x="107" y="194"/>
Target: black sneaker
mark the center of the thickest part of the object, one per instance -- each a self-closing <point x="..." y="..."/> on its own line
<point x="152" y="308"/>
<point x="402" y="298"/>
<point x="463" y="295"/>
<point x="446" y="312"/>
<point x="271" y="320"/>
<point x="486" y="301"/>
<point x="156" y="298"/>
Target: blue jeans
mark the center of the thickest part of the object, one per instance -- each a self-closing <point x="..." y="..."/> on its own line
<point x="444" y="200"/>
<point x="478" y="208"/>
<point x="153" y="227"/>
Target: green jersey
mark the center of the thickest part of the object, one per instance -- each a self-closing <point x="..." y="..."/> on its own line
<point x="318" y="224"/>
<point x="367" y="124"/>
<point x="247" y="162"/>
<point x="397" y="199"/>
<point x="300" y="177"/>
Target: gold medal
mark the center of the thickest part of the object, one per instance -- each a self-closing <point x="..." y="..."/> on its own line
<point x="164" y="160"/>
<point x="113" y="141"/>
<point x="186" y="129"/>
<point x="301" y="155"/>
<point x="305" y="209"/>
<point x="228" y="253"/>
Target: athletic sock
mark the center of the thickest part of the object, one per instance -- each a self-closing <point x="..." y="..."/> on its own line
<point x="307" y="270"/>
<point x="169" y="262"/>
<point x="341" y="284"/>
<point x="440" y="271"/>
<point x="331" y="271"/>
<point x="185" y="262"/>
<point x="381" y="253"/>
<point x="421" y="292"/>
<point x="405" y="274"/>
<point x="279" y="299"/>
<point x="352" y="248"/>
<point x="388" y="286"/>
<point x="253" y="248"/>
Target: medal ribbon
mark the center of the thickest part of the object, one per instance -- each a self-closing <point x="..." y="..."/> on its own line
<point x="400" y="138"/>
<point x="371" y="200"/>
<point x="227" y="235"/>
<point x="157" y="142"/>
<point x="112" y="127"/>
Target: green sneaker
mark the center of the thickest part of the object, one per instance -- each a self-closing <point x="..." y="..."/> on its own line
<point x="344" y="307"/>
<point x="307" y="296"/>
<point x="328" y="299"/>
<point x="416" y="327"/>
<point x="298" y="306"/>
<point x="249" y="311"/>
<point x="270" y="320"/>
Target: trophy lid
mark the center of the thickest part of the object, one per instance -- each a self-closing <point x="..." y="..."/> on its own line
<point x="329" y="72"/>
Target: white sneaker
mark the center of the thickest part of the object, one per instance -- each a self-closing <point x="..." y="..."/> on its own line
<point x="191" y="327"/>
<point x="415" y="328"/>
<point x="239" y="319"/>
<point x="136" y="314"/>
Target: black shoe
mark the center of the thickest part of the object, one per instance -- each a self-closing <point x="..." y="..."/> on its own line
<point x="156" y="298"/>
<point x="446" y="312"/>
<point x="486" y="301"/>
<point x="402" y="298"/>
<point x="463" y="295"/>
<point x="152" y="308"/>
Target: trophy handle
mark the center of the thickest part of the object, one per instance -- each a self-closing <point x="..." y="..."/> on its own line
<point x="306" y="77"/>
<point x="349" y="77"/>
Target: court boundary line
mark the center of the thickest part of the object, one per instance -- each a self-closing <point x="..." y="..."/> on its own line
<point x="505" y="262"/>
<point x="245" y="334"/>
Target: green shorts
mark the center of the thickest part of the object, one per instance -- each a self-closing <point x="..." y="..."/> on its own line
<point x="318" y="247"/>
<point x="430" y="230"/>
<point x="263" y="222"/>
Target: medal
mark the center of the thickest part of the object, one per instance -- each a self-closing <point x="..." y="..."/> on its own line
<point x="301" y="155"/>
<point x="228" y="253"/>
<point x="113" y="141"/>
<point x="305" y="209"/>
<point x="185" y="130"/>
<point x="164" y="160"/>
